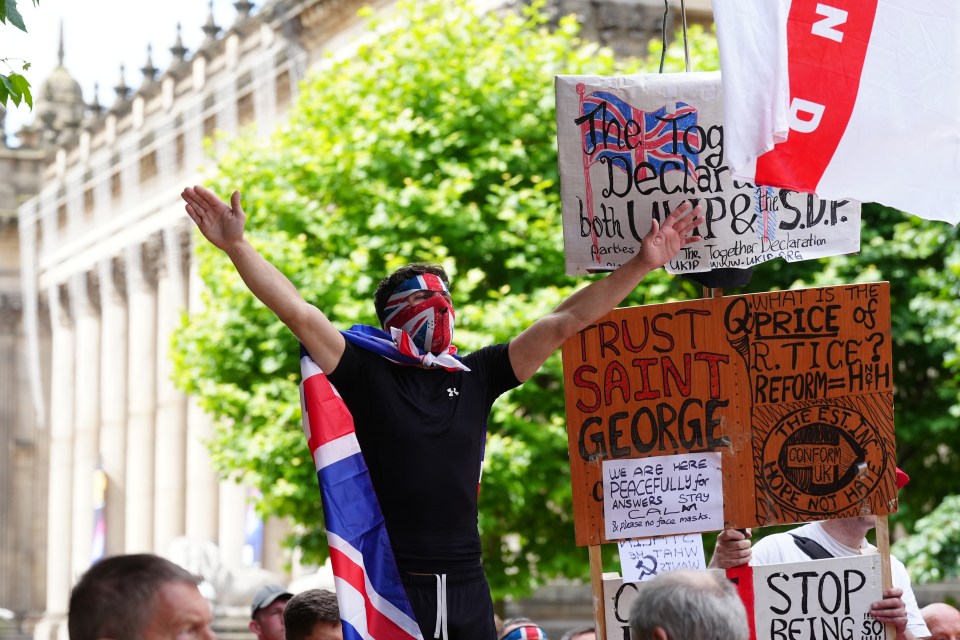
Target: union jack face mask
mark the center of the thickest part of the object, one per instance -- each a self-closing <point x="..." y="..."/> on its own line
<point x="428" y="321"/>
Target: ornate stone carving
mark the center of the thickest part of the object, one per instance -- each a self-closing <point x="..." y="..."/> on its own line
<point x="85" y="293"/>
<point x="113" y="280"/>
<point x="58" y="297"/>
<point x="141" y="265"/>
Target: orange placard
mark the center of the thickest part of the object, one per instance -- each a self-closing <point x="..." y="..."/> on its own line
<point x="793" y="388"/>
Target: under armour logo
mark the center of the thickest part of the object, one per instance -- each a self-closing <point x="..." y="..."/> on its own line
<point x="452" y="392"/>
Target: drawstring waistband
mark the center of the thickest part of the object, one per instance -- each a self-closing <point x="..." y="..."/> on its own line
<point x="440" y="631"/>
<point x="440" y="581"/>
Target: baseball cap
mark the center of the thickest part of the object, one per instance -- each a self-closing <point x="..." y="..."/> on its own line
<point x="266" y="595"/>
<point x="902" y="478"/>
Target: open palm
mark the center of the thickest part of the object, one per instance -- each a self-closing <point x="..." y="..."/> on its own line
<point x="664" y="241"/>
<point x="220" y="223"/>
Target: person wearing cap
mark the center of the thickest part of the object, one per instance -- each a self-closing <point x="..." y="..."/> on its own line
<point x="266" y="612"/>
<point x="836" y="538"/>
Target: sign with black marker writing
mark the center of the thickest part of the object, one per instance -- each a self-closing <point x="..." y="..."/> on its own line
<point x="644" y="558"/>
<point x="664" y="495"/>
<point x="810" y="600"/>
<point x="632" y="148"/>
<point x="818" y="599"/>
<point x="792" y="389"/>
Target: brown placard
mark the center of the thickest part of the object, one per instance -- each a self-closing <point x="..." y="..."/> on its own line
<point x="793" y="388"/>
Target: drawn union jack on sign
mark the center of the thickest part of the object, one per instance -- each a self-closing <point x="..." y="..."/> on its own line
<point x="637" y="142"/>
<point x="643" y="144"/>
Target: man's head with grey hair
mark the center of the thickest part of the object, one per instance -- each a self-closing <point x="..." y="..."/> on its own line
<point x="140" y="596"/>
<point x="688" y="605"/>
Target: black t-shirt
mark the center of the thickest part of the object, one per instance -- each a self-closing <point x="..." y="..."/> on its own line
<point x="422" y="432"/>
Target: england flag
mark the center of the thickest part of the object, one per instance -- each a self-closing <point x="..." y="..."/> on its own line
<point x="848" y="99"/>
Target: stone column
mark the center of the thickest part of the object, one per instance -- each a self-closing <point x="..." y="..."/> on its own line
<point x="171" y="442"/>
<point x="59" y="576"/>
<point x="113" y="398"/>
<point x="203" y="491"/>
<point x="275" y="557"/>
<point x="85" y="304"/>
<point x="141" y="397"/>
<point x="233" y="509"/>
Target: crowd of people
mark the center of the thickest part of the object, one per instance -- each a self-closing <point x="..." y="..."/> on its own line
<point x="146" y="597"/>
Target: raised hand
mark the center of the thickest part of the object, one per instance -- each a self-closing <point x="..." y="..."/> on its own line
<point x="220" y="223"/>
<point x="664" y="241"/>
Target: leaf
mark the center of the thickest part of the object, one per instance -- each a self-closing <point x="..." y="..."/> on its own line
<point x="11" y="14"/>
<point x="9" y="91"/>
<point x="21" y="86"/>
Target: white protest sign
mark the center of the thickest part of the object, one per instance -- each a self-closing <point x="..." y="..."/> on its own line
<point x="662" y="495"/>
<point x="632" y="148"/>
<point x="648" y="557"/>
<point x="812" y="600"/>
<point x="818" y="599"/>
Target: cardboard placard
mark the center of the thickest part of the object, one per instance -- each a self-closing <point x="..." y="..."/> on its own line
<point x="632" y="148"/>
<point x="793" y="388"/>
<point x="797" y="601"/>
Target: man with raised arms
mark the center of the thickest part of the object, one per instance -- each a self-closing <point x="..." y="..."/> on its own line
<point x="421" y="427"/>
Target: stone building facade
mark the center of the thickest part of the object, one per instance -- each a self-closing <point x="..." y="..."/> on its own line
<point x="99" y="452"/>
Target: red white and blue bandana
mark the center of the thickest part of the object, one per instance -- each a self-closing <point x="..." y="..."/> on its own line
<point x="429" y="323"/>
<point x="526" y="632"/>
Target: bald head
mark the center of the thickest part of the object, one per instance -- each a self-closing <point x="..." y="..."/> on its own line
<point x="942" y="620"/>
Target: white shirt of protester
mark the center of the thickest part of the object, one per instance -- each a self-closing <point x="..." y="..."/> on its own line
<point x="781" y="547"/>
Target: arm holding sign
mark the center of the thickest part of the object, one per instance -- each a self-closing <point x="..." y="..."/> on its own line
<point x="732" y="550"/>
<point x="893" y="610"/>
<point x="537" y="342"/>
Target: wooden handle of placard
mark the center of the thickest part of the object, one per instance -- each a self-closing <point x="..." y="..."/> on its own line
<point x="886" y="575"/>
<point x="596" y="581"/>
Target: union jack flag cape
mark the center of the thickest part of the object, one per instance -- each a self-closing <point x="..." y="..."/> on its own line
<point x="373" y="603"/>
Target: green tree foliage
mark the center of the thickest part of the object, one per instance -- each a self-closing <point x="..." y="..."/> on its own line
<point x="932" y="554"/>
<point x="14" y="87"/>
<point x="438" y="142"/>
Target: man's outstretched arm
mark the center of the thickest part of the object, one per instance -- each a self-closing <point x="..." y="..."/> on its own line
<point x="222" y="225"/>
<point x="533" y="346"/>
